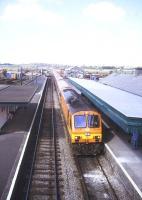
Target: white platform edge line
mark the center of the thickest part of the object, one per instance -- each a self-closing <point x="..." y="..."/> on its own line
<point x="21" y="157"/>
<point x="125" y="172"/>
<point x="17" y="169"/>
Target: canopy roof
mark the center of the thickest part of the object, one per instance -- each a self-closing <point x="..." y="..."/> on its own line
<point x="17" y="94"/>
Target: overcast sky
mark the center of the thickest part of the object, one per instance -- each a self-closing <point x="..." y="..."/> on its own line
<point x="71" y="31"/>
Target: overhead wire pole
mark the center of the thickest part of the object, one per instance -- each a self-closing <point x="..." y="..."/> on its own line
<point x="21" y="75"/>
<point x="36" y="73"/>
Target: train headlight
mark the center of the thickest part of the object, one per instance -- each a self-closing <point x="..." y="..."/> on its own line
<point x="97" y="138"/>
<point x="87" y="134"/>
<point x="77" y="137"/>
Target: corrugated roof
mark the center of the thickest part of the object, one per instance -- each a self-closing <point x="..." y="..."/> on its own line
<point x="127" y="82"/>
<point x="126" y="103"/>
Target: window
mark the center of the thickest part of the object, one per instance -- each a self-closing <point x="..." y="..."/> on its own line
<point x="70" y="123"/>
<point x="80" y="121"/>
<point x="93" y="121"/>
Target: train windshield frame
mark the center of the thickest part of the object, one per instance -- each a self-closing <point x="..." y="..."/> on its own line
<point x="80" y="121"/>
<point x="93" y="121"/>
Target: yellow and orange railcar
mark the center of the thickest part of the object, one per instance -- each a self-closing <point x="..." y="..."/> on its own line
<point x="83" y="121"/>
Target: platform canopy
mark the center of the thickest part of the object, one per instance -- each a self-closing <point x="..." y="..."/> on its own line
<point x="17" y="94"/>
<point x="126" y="82"/>
<point x="126" y="103"/>
<point x="124" y="108"/>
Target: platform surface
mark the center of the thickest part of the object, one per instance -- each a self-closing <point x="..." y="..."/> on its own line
<point x="12" y="139"/>
<point x="3" y="86"/>
<point x="129" y="158"/>
<point x="9" y="147"/>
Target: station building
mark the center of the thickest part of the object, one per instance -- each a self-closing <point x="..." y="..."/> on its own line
<point x="76" y="72"/>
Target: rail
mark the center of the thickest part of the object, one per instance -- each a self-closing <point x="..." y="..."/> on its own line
<point x="82" y="179"/>
<point x="55" y="150"/>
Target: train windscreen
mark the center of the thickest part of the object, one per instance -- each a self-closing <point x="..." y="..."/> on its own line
<point x="80" y="121"/>
<point x="93" y="121"/>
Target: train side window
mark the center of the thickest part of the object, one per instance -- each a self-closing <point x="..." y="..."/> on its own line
<point x="93" y="121"/>
<point x="70" y="123"/>
<point x="68" y="118"/>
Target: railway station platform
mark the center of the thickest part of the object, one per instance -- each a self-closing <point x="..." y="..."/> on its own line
<point x="2" y="87"/>
<point x="125" y="110"/>
<point x="121" y="107"/>
<point x="129" y="159"/>
<point x="12" y="139"/>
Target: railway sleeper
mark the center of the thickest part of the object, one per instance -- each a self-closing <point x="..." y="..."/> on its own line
<point x="47" y="156"/>
<point x="44" y="172"/>
<point x="39" y="183"/>
<point x="43" y="166"/>
<point x="43" y="152"/>
<point x="43" y="191"/>
<point x="42" y="177"/>
<point x="41" y="197"/>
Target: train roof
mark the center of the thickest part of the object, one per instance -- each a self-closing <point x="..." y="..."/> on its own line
<point x="72" y="96"/>
<point x="75" y="101"/>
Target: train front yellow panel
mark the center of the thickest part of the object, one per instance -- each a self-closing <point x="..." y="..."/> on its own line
<point x="88" y="133"/>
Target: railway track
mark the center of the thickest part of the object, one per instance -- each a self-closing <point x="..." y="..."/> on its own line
<point x="54" y="175"/>
<point x="98" y="179"/>
<point x="46" y="180"/>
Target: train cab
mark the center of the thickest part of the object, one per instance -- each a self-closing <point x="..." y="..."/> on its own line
<point x="86" y="128"/>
